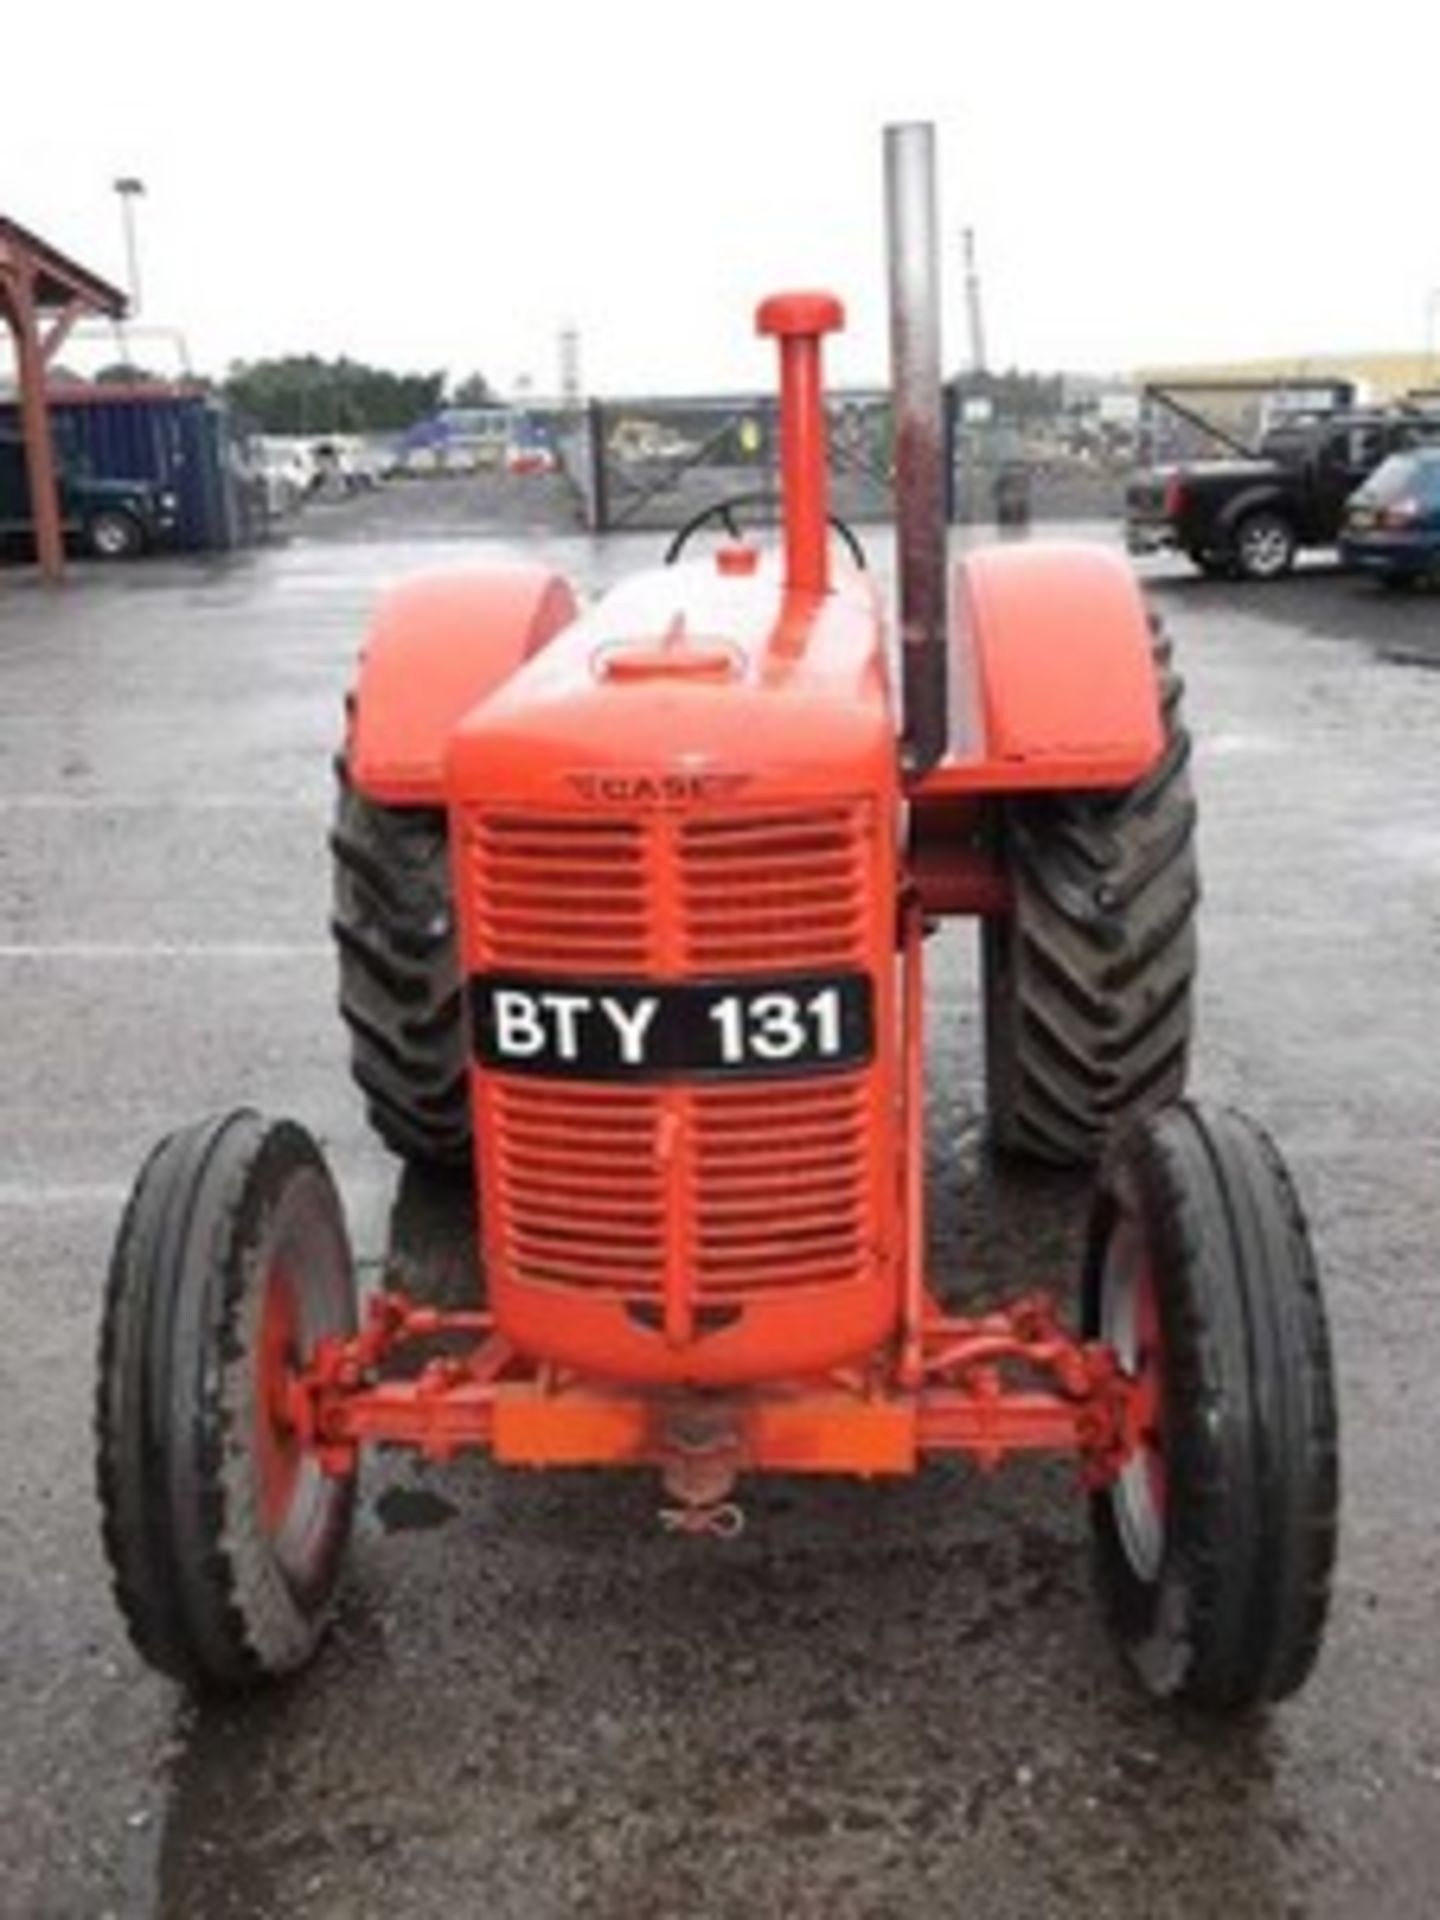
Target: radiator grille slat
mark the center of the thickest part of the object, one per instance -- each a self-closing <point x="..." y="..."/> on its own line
<point x="581" y="1196"/>
<point x="777" y="891"/>
<point x="565" y="894"/>
<point x="780" y="1186"/>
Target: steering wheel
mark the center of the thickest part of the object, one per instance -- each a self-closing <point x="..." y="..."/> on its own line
<point x="724" y="512"/>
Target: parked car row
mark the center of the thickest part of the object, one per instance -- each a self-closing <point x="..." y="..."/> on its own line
<point x="295" y="468"/>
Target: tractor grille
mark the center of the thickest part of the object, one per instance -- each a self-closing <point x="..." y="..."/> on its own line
<point x="748" y="1187"/>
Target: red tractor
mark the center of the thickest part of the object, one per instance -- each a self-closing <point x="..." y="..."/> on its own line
<point x="631" y="905"/>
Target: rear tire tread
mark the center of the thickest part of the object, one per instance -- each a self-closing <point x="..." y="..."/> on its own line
<point x="1089" y="982"/>
<point x="400" y="987"/>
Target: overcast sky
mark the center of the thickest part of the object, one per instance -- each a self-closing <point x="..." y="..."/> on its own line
<point x="434" y="185"/>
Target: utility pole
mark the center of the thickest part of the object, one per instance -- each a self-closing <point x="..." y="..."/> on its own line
<point x="570" y="384"/>
<point x="973" y="314"/>
<point x="130" y="190"/>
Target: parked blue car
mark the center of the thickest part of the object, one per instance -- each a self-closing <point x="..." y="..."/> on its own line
<point x="1392" y="523"/>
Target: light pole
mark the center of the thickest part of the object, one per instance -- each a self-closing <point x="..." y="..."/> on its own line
<point x="130" y="190"/>
<point x="1432" y="307"/>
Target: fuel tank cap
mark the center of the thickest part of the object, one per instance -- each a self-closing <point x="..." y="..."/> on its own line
<point x="706" y="660"/>
<point x="675" y="655"/>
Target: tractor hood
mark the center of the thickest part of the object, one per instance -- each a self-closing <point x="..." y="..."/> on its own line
<point x="690" y="685"/>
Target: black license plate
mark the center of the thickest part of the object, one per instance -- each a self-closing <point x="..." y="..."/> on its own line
<point x="630" y="1030"/>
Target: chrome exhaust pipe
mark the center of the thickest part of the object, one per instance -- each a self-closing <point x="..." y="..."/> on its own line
<point x="920" y="521"/>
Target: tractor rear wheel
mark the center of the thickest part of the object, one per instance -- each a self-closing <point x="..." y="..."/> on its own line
<point x="1089" y="978"/>
<point x="1214" y="1547"/>
<point x="224" y="1536"/>
<point x="400" y="991"/>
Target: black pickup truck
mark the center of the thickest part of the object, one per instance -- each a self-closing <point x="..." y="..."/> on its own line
<point x="1248" y="518"/>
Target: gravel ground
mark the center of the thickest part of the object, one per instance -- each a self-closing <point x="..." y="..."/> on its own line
<point x="879" y="1702"/>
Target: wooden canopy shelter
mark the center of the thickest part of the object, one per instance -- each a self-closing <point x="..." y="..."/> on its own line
<point x="42" y="295"/>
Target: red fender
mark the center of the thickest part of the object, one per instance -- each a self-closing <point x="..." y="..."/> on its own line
<point x="1052" y="680"/>
<point x="438" y="646"/>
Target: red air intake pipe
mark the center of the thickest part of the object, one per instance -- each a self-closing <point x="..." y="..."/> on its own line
<point x="800" y="321"/>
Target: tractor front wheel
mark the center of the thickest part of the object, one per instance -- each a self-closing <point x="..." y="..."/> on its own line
<point x="225" y="1538"/>
<point x="1214" y="1547"/>
<point x="1089" y="978"/>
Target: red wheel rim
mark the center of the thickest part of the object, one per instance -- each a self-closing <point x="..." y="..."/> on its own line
<point x="1130" y="1323"/>
<point x="301" y="1290"/>
<point x="280" y="1456"/>
<point x="1150" y="1389"/>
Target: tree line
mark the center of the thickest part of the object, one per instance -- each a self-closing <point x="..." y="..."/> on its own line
<point x="301" y="393"/>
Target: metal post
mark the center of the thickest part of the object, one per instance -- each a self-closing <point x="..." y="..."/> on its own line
<point x="599" y="476"/>
<point x="920" y="532"/>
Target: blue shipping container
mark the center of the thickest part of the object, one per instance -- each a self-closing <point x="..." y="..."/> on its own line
<point x="185" y="442"/>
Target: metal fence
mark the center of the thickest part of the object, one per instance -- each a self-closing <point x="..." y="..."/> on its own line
<point x="655" y="463"/>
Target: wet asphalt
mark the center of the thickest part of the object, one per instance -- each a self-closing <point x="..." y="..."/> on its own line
<point x="879" y="1702"/>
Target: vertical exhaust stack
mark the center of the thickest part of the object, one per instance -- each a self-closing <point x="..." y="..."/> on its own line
<point x="920" y="525"/>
